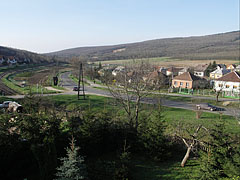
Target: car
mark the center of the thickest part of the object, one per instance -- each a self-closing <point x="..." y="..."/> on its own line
<point x="75" y="88"/>
<point x="207" y="106"/>
<point x="11" y="106"/>
<point x="5" y="104"/>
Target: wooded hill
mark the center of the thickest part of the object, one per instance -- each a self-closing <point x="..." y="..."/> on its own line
<point x="6" y="52"/>
<point x="217" y="46"/>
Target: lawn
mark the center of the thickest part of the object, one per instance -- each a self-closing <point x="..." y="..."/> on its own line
<point x="172" y="116"/>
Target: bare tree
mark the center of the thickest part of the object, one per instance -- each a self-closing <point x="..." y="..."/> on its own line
<point x="129" y="89"/>
<point x="218" y="90"/>
<point x="192" y="140"/>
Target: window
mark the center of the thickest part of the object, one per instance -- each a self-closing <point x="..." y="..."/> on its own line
<point x="220" y="85"/>
<point x="227" y="86"/>
<point x="187" y="84"/>
<point x="235" y="87"/>
<point x="181" y="83"/>
<point x="175" y="83"/>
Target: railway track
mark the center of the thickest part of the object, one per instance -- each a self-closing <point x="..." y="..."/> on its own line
<point x="5" y="90"/>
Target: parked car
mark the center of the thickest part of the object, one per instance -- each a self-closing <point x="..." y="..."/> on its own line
<point x="5" y="104"/>
<point x="11" y="106"/>
<point x="75" y="88"/>
<point x="207" y="106"/>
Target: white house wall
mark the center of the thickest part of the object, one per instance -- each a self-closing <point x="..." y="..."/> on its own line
<point x="230" y="84"/>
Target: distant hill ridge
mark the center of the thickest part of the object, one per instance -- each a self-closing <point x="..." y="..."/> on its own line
<point x="6" y="53"/>
<point x="216" y="46"/>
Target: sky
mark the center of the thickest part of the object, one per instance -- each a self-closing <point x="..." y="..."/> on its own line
<point x="50" y="25"/>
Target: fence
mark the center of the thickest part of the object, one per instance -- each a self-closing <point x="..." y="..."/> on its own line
<point x="204" y="92"/>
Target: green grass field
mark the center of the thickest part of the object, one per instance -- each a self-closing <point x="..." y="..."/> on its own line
<point x="172" y="116"/>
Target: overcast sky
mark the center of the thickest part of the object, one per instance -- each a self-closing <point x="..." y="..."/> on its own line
<point x="50" y="25"/>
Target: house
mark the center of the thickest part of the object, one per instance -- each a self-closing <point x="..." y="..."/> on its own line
<point x="200" y="70"/>
<point x="183" y="70"/>
<point x="221" y="66"/>
<point x="237" y="68"/>
<point x="219" y="72"/>
<point x="156" y="78"/>
<point x="1" y="59"/>
<point x="189" y="81"/>
<point x="118" y="70"/>
<point x="11" y="60"/>
<point x="228" y="83"/>
<point x="231" y="67"/>
<point x="161" y="69"/>
<point x="173" y="71"/>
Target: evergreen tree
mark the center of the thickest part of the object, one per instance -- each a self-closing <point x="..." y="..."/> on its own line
<point x="222" y="159"/>
<point x="73" y="167"/>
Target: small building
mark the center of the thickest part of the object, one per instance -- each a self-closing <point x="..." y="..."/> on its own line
<point x="156" y="78"/>
<point x="219" y="72"/>
<point x="231" y="67"/>
<point x="237" y="68"/>
<point x="117" y="70"/>
<point x="161" y="69"/>
<point x="1" y="59"/>
<point x="11" y="60"/>
<point x="200" y="70"/>
<point x="228" y="83"/>
<point x="183" y="70"/>
<point x="189" y="81"/>
<point x="173" y="71"/>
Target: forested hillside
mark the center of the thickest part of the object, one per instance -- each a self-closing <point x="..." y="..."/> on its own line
<point x="217" y="46"/>
<point x="6" y="52"/>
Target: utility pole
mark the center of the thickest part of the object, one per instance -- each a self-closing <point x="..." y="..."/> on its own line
<point x="80" y="81"/>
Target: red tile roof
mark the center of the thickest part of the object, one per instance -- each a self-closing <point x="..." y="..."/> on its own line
<point x="231" y="77"/>
<point x="187" y="76"/>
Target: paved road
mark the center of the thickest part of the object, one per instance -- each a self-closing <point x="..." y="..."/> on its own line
<point x="68" y="83"/>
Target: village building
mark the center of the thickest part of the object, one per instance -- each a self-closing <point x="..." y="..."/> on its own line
<point x="117" y="70"/>
<point x="11" y="60"/>
<point x="183" y="70"/>
<point x="200" y="70"/>
<point x="228" y="83"/>
<point x="173" y="71"/>
<point x="219" y="72"/>
<point x="231" y="67"/>
<point x="156" y="78"/>
<point x="189" y="81"/>
<point x="237" y="68"/>
<point x="161" y="69"/>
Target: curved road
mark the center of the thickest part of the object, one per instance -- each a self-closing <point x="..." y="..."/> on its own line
<point x="68" y="84"/>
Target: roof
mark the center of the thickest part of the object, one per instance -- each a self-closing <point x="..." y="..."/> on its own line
<point x="154" y="75"/>
<point x="187" y="76"/>
<point x="173" y="69"/>
<point x="221" y="65"/>
<point x="233" y="65"/>
<point x="231" y="77"/>
<point x="221" y="71"/>
<point x="201" y="67"/>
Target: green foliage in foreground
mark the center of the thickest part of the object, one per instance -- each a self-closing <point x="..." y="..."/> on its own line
<point x="222" y="159"/>
<point x="111" y="149"/>
<point x="73" y="167"/>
